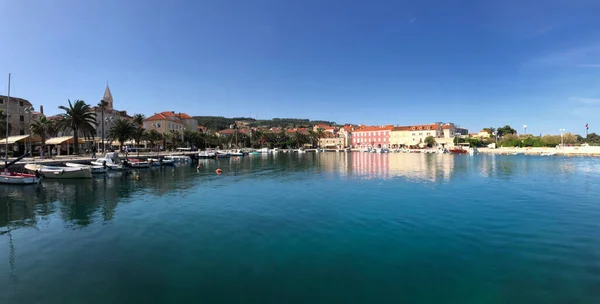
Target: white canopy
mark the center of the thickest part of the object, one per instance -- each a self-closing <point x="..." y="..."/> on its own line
<point x="15" y="139"/>
<point x="62" y="140"/>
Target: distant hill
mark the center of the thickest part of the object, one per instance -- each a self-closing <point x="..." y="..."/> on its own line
<point x="220" y="123"/>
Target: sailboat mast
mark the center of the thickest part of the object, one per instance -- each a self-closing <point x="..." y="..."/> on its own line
<point x="6" y="115"/>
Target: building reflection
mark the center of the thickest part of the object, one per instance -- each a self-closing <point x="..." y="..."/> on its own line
<point x="414" y="166"/>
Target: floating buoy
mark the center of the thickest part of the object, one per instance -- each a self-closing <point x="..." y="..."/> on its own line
<point x="219" y="171"/>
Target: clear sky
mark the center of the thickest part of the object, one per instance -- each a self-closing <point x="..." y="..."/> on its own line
<point x="475" y="63"/>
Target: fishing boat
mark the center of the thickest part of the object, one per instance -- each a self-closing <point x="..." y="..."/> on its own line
<point x="16" y="178"/>
<point x="138" y="163"/>
<point x="254" y="153"/>
<point x="55" y="172"/>
<point x="95" y="168"/>
<point x="112" y="161"/>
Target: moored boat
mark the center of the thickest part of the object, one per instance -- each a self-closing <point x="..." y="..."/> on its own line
<point x="458" y="150"/>
<point x="206" y="154"/>
<point x="112" y="161"/>
<point x="16" y="178"/>
<point x="55" y="172"/>
<point x="138" y="163"/>
<point x="95" y="168"/>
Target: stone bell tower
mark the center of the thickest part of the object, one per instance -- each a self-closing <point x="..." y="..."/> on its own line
<point x="108" y="98"/>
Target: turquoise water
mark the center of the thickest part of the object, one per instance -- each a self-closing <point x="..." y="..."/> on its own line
<point x="312" y="228"/>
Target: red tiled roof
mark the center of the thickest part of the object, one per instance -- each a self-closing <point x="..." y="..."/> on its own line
<point x="404" y="128"/>
<point x="168" y="115"/>
<point x="374" y="128"/>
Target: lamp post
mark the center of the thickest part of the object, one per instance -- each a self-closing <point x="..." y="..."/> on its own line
<point x="107" y="120"/>
<point x="29" y="110"/>
<point x="562" y="143"/>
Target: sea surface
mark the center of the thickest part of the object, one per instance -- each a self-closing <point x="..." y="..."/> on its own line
<point x="310" y="228"/>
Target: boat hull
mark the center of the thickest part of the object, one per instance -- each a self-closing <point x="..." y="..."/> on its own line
<point x="95" y="168"/>
<point x="19" y="179"/>
<point x="60" y="172"/>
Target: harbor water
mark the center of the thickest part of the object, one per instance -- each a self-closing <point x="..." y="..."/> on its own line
<point x="310" y="228"/>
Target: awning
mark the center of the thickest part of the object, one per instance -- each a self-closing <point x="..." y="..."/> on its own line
<point x="62" y="140"/>
<point x="18" y="138"/>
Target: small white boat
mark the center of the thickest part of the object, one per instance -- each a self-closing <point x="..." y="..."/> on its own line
<point x="473" y="151"/>
<point x="237" y="153"/>
<point x="177" y="158"/>
<point x="206" y="154"/>
<point x="223" y="154"/>
<point x="548" y="154"/>
<point x="55" y="172"/>
<point x="265" y="150"/>
<point x="112" y="161"/>
<point x="301" y="151"/>
<point x="15" y="178"/>
<point x="95" y="168"/>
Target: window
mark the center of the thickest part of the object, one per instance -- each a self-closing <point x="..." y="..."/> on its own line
<point x="1" y="100"/>
<point x="21" y="132"/>
<point x="21" y="118"/>
<point x="20" y="103"/>
<point x="428" y="133"/>
<point x="420" y="133"/>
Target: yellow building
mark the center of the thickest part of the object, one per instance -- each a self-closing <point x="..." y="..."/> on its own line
<point x="166" y="122"/>
<point x="413" y="136"/>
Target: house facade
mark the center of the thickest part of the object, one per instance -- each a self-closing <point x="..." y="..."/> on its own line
<point x="20" y="115"/>
<point x="166" y="122"/>
<point x="372" y="137"/>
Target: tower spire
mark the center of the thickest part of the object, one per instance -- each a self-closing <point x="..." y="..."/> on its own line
<point x="108" y="97"/>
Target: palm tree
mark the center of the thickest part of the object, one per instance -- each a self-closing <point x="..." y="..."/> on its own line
<point x="102" y="106"/>
<point x="153" y="136"/>
<point x="122" y="130"/>
<point x="78" y="117"/>
<point x="138" y="135"/>
<point x="41" y="127"/>
<point x="138" y="119"/>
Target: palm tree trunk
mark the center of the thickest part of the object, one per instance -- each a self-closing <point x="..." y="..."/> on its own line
<point x="75" y="142"/>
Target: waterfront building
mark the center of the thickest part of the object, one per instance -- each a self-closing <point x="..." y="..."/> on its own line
<point x="20" y="115"/>
<point x="165" y="122"/>
<point x="372" y="136"/>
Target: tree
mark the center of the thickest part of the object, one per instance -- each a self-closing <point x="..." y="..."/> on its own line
<point x="153" y="137"/>
<point x="138" y="119"/>
<point x="3" y="118"/>
<point x="80" y="118"/>
<point x="430" y="141"/>
<point x="122" y="130"/>
<point x="42" y="128"/>
<point x="506" y="130"/>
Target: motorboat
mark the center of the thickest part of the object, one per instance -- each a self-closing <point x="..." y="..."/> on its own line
<point x="55" y="172"/>
<point x="177" y="158"/>
<point x="458" y="150"/>
<point x="223" y="154"/>
<point x="473" y="151"/>
<point x="95" y="168"/>
<point x="254" y="153"/>
<point x="206" y="154"/>
<point x="548" y="153"/>
<point x="237" y="153"/>
<point x="442" y="151"/>
<point x="112" y="161"/>
<point x="138" y="163"/>
<point x="16" y="178"/>
<point x="265" y="150"/>
<point x="157" y="162"/>
<point x="384" y="150"/>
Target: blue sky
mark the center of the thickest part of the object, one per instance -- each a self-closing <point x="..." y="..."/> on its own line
<point x="475" y="63"/>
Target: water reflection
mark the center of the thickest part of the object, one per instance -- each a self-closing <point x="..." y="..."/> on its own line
<point x="79" y="203"/>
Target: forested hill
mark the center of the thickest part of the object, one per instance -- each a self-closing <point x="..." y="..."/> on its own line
<point x="220" y="123"/>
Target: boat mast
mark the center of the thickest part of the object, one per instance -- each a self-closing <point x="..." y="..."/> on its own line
<point x="6" y="115"/>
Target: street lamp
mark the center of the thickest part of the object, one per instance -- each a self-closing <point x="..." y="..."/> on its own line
<point x="562" y="143"/>
<point x="29" y="110"/>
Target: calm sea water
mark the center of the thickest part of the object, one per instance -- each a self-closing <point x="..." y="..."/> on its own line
<point x="313" y="228"/>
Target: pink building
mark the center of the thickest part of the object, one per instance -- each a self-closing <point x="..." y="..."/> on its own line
<point x="372" y="137"/>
